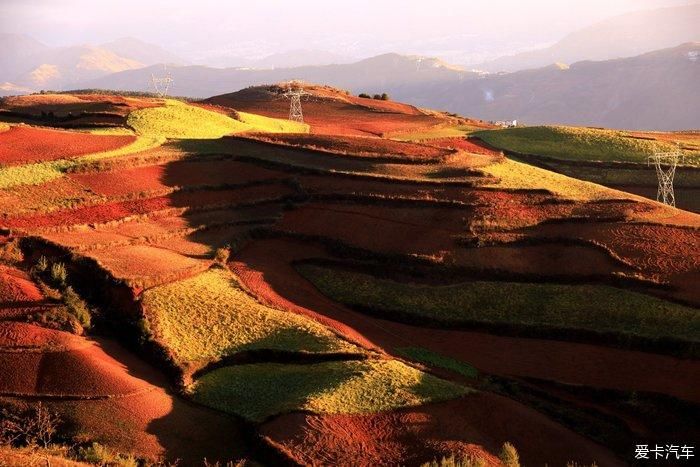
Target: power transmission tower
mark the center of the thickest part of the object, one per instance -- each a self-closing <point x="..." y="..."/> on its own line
<point x="161" y="84"/>
<point x="666" y="163"/>
<point x="294" y="92"/>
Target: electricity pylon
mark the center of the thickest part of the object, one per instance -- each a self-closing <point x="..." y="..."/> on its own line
<point x="666" y="163"/>
<point x="294" y="92"/>
<point x="161" y="84"/>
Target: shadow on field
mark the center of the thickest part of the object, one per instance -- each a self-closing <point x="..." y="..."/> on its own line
<point x="183" y="430"/>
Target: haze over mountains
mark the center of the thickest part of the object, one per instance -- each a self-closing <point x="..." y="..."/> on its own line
<point x="646" y="90"/>
<point x="622" y="36"/>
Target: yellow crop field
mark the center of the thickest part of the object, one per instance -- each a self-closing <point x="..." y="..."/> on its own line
<point x="209" y="316"/>
<point x="259" y="391"/>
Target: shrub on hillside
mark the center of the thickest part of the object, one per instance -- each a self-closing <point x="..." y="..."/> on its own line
<point x="453" y="461"/>
<point x="102" y="455"/>
<point x="35" y="426"/>
<point x="58" y="273"/>
<point x="59" y="318"/>
<point x="384" y="96"/>
<point x="509" y="455"/>
<point x="77" y="306"/>
<point x="11" y="252"/>
<point x="42" y="265"/>
<point x="221" y="256"/>
<point x="364" y="95"/>
<point x="377" y="97"/>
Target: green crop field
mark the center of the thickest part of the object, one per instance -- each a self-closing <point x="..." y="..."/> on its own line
<point x="582" y="144"/>
<point x="586" y="307"/>
<point x="259" y="391"/>
<point x="209" y="316"/>
<point x="429" y="357"/>
<point x="516" y="175"/>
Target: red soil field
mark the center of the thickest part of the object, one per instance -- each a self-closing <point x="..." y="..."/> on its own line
<point x="359" y="146"/>
<point x="29" y="337"/>
<point x="332" y="113"/>
<point x="62" y="104"/>
<point x="667" y="252"/>
<point x="465" y="144"/>
<point x="203" y="243"/>
<point x="19" y="295"/>
<point x="147" y="263"/>
<point x="54" y="194"/>
<point x="264" y="267"/>
<point x="23" y="144"/>
<point x="389" y="230"/>
<point x="544" y="260"/>
<point x="431" y="234"/>
<point x="509" y="210"/>
<point x="417" y="435"/>
<point x="80" y="371"/>
<point x="172" y="232"/>
<point x="689" y="139"/>
<point x="122" y="402"/>
<point x="341" y="185"/>
<point x="183" y="199"/>
<point x="118" y="183"/>
<point x="16" y="286"/>
<point x="174" y="174"/>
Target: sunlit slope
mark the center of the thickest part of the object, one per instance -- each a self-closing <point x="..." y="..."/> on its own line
<point x="183" y="121"/>
<point x="573" y="143"/>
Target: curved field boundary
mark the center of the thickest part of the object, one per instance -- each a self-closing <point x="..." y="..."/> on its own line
<point x="324" y="145"/>
<point x="265" y="268"/>
<point x="24" y="144"/>
<point x="423" y="305"/>
<point x="351" y="386"/>
<point x="80" y="120"/>
<point x="576" y="143"/>
<point x="75" y="397"/>
<point x="183" y="201"/>
<point x="297" y="160"/>
<point x="42" y="172"/>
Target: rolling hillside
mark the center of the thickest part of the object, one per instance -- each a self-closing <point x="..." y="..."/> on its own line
<point x="322" y="294"/>
<point x="655" y="91"/>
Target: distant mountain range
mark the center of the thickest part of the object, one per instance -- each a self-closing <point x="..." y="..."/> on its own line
<point x="376" y="74"/>
<point x="28" y="64"/>
<point x="649" y="90"/>
<point x="657" y="90"/>
<point x="622" y="36"/>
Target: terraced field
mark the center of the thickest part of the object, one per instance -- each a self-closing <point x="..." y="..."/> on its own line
<point x="617" y="159"/>
<point x="324" y="295"/>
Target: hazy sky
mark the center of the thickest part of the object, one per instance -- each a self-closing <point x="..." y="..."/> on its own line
<point x="202" y="30"/>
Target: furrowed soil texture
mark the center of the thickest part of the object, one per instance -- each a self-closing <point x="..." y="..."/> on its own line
<point x="23" y="144"/>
